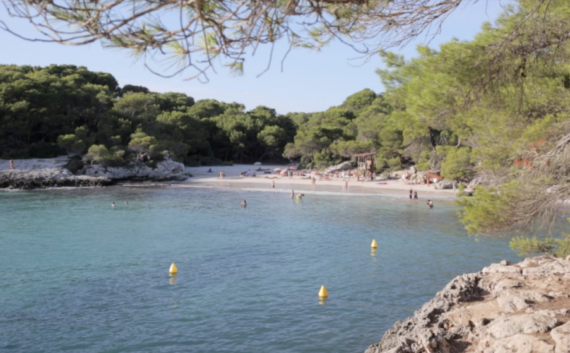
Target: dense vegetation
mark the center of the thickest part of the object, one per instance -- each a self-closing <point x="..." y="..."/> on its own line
<point x="47" y="111"/>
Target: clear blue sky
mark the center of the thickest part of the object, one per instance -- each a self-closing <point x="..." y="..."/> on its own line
<point x="311" y="81"/>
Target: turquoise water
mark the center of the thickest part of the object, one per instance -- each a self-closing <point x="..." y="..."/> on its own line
<point x="80" y="276"/>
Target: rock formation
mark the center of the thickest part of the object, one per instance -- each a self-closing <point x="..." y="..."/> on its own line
<point x="46" y="177"/>
<point x="165" y="170"/>
<point x="522" y="308"/>
<point x="43" y="173"/>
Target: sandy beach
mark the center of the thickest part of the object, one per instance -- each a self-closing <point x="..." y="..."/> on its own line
<point x="232" y="179"/>
<point x="201" y="177"/>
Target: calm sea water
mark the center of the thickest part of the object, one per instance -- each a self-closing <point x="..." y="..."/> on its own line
<point x="77" y="275"/>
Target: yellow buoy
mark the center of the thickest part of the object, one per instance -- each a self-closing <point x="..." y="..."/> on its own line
<point x="374" y="244"/>
<point x="173" y="270"/>
<point x="323" y="292"/>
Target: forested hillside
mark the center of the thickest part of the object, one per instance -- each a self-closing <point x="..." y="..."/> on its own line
<point x="67" y="109"/>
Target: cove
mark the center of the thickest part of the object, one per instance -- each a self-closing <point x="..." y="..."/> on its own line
<point x="78" y="275"/>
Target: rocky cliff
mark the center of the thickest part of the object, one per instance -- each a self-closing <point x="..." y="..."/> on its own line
<point x="521" y="308"/>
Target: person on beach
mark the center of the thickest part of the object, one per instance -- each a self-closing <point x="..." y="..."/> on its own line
<point x="273" y="184"/>
<point x="222" y="174"/>
<point x="243" y="204"/>
<point x="411" y="194"/>
<point x="313" y="180"/>
<point x="430" y="203"/>
<point x="11" y="164"/>
<point x="292" y="194"/>
<point x="210" y="170"/>
<point x="113" y="204"/>
<point x="415" y="195"/>
<point x="346" y="184"/>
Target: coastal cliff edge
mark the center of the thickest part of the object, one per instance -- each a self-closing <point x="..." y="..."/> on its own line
<point x="519" y="308"/>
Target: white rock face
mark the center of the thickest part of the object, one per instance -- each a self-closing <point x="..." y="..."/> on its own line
<point x="165" y="170"/>
<point x="561" y="336"/>
<point x="40" y="173"/>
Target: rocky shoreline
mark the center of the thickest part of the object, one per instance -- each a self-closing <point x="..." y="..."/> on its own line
<point x="48" y="173"/>
<point x="521" y="308"/>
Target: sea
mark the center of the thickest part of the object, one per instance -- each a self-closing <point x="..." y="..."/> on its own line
<point x="77" y="275"/>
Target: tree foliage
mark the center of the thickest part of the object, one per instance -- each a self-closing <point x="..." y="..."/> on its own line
<point x="68" y="109"/>
<point x="193" y="34"/>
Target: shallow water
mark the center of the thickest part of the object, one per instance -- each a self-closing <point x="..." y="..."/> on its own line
<point x="78" y="275"/>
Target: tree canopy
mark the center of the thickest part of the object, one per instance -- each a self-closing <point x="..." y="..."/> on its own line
<point x="68" y="109"/>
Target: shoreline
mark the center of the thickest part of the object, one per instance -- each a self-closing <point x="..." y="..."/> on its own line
<point x="201" y="177"/>
<point x="53" y="169"/>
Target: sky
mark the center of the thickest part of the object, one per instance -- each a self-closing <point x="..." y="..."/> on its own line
<point x="310" y="80"/>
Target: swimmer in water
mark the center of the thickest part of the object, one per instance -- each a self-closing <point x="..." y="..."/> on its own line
<point x="430" y="203"/>
<point x="243" y="204"/>
<point x="113" y="204"/>
<point x="300" y="197"/>
<point x="292" y="194"/>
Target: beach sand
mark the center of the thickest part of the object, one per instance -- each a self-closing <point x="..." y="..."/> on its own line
<point x="201" y="177"/>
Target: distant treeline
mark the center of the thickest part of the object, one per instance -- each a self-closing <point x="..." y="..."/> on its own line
<point x="57" y="109"/>
<point x="45" y="112"/>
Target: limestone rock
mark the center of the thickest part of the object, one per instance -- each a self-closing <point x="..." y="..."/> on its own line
<point x="518" y="344"/>
<point x="165" y="170"/>
<point x="45" y="178"/>
<point x="539" y="322"/>
<point x="498" y="310"/>
<point x="561" y="336"/>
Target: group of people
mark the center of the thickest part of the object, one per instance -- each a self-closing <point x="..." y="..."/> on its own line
<point x="414" y="196"/>
<point x="299" y="197"/>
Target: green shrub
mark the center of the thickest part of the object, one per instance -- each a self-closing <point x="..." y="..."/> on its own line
<point x="394" y="163"/>
<point x="460" y="190"/>
<point x="457" y="164"/>
<point x="525" y="246"/>
<point x="99" y="154"/>
<point x="227" y="163"/>
<point x="152" y="164"/>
